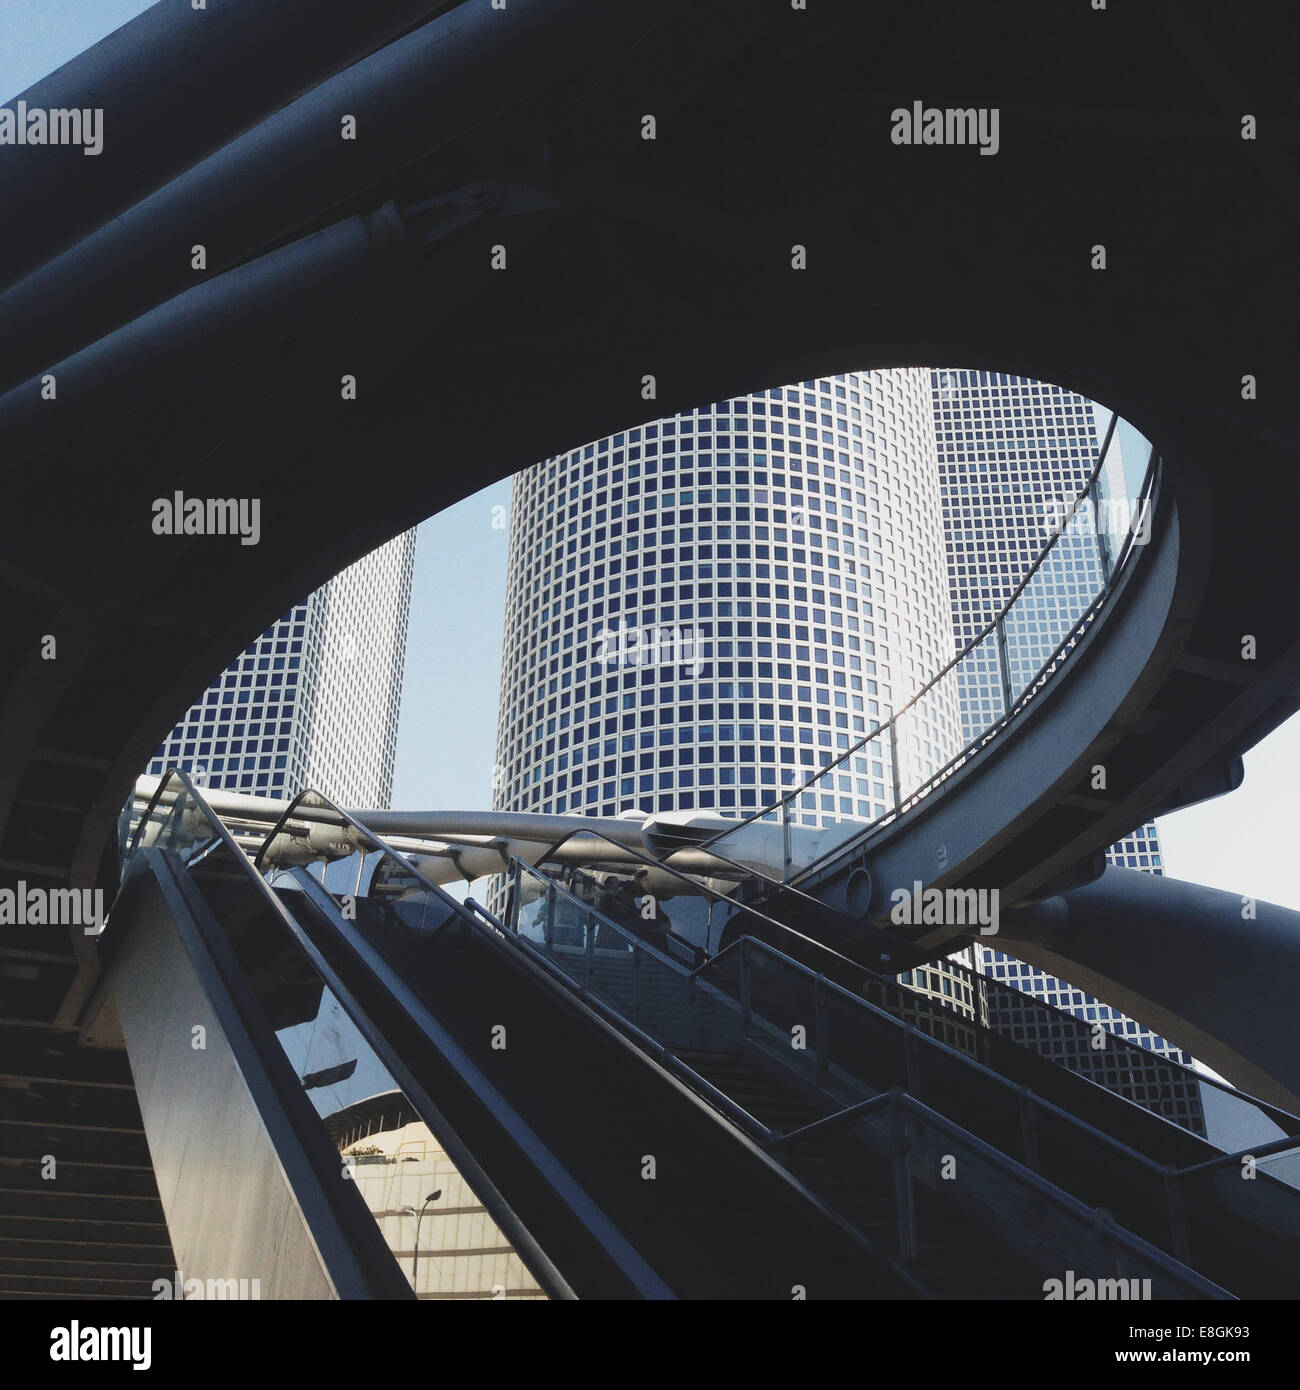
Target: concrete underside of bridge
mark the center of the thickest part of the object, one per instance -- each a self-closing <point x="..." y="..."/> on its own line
<point x="626" y="258"/>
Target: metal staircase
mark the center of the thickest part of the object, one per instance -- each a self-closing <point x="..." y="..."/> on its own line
<point x="795" y="1054"/>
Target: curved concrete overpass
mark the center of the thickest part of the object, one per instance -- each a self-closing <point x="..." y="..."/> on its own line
<point x="626" y="257"/>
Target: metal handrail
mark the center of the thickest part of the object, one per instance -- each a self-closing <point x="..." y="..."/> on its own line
<point x="972" y="977"/>
<point x="1101" y="1218"/>
<point x="1275" y="1114"/>
<point x="935" y="1044"/>
<point x="1085" y="494"/>
<point x="500" y="1210"/>
<point x="976" y="745"/>
<point x="774" y="1140"/>
<point x="747" y="944"/>
<point x="696" y="887"/>
<point x="1168" y="1175"/>
<point x="850" y="1112"/>
<point x="1274" y="1146"/>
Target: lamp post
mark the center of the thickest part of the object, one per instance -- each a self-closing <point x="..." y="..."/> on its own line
<point x="415" y="1249"/>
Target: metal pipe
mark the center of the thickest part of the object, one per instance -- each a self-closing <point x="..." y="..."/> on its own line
<point x="413" y="97"/>
<point x="249" y="309"/>
<point x="226" y="67"/>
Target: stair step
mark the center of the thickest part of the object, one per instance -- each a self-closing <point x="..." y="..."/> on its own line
<point x="956" y="1256"/>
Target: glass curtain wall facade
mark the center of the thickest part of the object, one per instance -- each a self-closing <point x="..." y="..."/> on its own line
<point x="701" y="610"/>
<point x="1008" y="449"/>
<point x="314" y="701"/>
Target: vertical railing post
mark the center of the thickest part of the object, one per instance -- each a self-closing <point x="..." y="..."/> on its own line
<point x="744" y="985"/>
<point x="904" y="1196"/>
<point x="819" y="1027"/>
<point x="1177" y="1213"/>
<point x="1028" y="1128"/>
<point x="1004" y="661"/>
<point x="590" y="944"/>
<point x="785" y="841"/>
<point x="893" y="756"/>
<point x="1103" y="540"/>
<point x="513" y="893"/>
<point x="548" y="925"/>
<point x="911" y="1068"/>
<point x="1102" y="1223"/>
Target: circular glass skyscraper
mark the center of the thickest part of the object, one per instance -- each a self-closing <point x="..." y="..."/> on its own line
<point x="703" y="611"/>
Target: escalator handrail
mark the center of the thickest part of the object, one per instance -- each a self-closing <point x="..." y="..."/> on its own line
<point x="1007" y="1165"/>
<point x="498" y="1209"/>
<point x="506" y="939"/>
<point x="361" y="1237"/>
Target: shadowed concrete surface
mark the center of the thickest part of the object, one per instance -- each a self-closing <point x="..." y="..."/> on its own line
<point x="521" y="129"/>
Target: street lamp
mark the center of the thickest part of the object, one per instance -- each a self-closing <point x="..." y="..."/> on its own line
<point x="415" y="1249"/>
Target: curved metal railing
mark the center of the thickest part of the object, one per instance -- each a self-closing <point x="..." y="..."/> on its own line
<point x="994" y="676"/>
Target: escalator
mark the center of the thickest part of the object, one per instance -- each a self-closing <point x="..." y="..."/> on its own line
<point x="605" y="1174"/>
<point x="638" y="1120"/>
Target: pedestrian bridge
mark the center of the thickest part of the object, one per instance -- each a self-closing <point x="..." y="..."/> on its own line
<point x="203" y="287"/>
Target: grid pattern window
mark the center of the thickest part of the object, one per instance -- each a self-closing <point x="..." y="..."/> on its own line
<point x="1140" y="1075"/>
<point x="1140" y="850"/>
<point x="244" y="733"/>
<point x="1061" y="995"/>
<point x="351" y="743"/>
<point x="1008" y="449"/>
<point x="313" y="701"/>
<point x="703" y="611"/>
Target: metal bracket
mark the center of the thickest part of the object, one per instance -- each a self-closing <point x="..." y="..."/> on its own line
<point x="439" y="219"/>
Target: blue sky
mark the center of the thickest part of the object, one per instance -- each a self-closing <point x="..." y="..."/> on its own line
<point x="37" y="36"/>
<point x="446" y="743"/>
